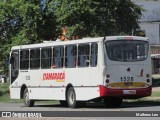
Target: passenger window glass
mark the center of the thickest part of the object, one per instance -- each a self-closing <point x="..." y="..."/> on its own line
<point x="46" y="57"/>
<point x="70" y="56"/>
<point x="94" y="51"/>
<point x="35" y="58"/>
<point x="58" y="57"/>
<point x="24" y="59"/>
<point x="83" y="55"/>
<point x="14" y="60"/>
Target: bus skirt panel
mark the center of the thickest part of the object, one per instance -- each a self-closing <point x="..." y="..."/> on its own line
<point x="137" y="92"/>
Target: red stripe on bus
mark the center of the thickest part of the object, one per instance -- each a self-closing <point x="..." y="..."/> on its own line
<point x="119" y="92"/>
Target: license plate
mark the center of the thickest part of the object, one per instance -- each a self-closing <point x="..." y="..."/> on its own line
<point x="128" y="83"/>
<point x="129" y="91"/>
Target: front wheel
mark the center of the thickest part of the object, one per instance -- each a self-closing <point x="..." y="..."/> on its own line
<point x="27" y="101"/>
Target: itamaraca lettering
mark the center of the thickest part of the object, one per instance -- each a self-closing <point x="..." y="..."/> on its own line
<point x="54" y="76"/>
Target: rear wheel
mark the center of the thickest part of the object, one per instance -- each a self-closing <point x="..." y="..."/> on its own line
<point x="71" y="98"/>
<point x="113" y="101"/>
<point x="27" y="101"/>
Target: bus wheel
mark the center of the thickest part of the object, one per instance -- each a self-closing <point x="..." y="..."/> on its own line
<point x="63" y="103"/>
<point x="27" y="101"/>
<point x="71" y="98"/>
<point x="113" y="101"/>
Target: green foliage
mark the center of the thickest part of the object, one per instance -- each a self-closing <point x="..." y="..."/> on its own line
<point x="31" y="21"/>
<point x="156" y="94"/>
<point x="23" y="22"/>
<point x="28" y="19"/>
<point x="4" y="94"/>
<point x="97" y="17"/>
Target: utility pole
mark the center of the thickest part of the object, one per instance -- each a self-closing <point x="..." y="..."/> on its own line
<point x="159" y="33"/>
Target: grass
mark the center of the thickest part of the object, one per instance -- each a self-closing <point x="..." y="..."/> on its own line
<point x="4" y="94"/>
<point x="4" y="97"/>
<point x="155" y="94"/>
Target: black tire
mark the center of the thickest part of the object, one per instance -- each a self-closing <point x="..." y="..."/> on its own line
<point x="71" y="98"/>
<point x="112" y="102"/>
<point x="27" y="101"/>
<point x="63" y="103"/>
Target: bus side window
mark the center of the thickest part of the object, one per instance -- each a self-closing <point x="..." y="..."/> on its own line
<point x="14" y="61"/>
<point x="46" y="54"/>
<point x="94" y="51"/>
<point x="70" y="56"/>
<point x="83" y="55"/>
<point x="35" y="58"/>
<point x="58" y="57"/>
<point x="24" y="59"/>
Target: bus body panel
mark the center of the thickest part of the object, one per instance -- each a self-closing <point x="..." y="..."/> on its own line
<point x="119" y="74"/>
<point x="60" y="77"/>
<point x="15" y="92"/>
<point x="47" y="93"/>
<point x="87" y="93"/>
<point x="51" y="93"/>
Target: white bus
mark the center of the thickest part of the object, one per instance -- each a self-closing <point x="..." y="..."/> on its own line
<point x="74" y="72"/>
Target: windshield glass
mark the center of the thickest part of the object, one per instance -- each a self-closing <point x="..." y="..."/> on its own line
<point x="123" y="50"/>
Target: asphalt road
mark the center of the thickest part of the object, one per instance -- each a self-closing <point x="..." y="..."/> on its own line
<point x="91" y="108"/>
<point x="126" y="106"/>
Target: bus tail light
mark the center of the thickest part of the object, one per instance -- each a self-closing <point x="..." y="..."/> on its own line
<point x="107" y="80"/>
<point x="147" y="75"/>
<point x="148" y="80"/>
<point x="108" y="76"/>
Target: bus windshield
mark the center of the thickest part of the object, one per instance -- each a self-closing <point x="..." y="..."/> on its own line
<point x="127" y="50"/>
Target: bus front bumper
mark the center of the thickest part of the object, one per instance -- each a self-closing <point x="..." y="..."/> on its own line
<point x="137" y="92"/>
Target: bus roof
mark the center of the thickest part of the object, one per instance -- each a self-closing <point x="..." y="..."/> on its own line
<point x="84" y="40"/>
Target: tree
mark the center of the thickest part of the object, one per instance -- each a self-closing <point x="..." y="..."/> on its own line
<point x="24" y="22"/>
<point x="97" y="17"/>
<point x="31" y="21"/>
